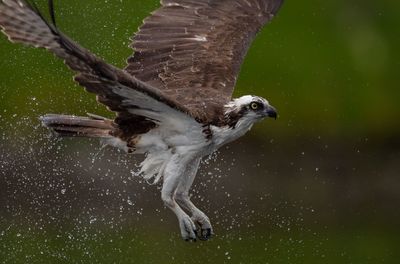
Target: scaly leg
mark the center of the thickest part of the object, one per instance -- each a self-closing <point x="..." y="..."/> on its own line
<point x="182" y="197"/>
<point x="173" y="175"/>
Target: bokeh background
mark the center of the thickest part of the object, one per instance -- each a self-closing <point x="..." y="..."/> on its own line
<point x="319" y="185"/>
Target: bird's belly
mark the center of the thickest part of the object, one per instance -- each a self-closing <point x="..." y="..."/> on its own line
<point x="159" y="141"/>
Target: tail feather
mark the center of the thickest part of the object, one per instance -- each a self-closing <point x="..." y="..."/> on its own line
<point x="75" y="126"/>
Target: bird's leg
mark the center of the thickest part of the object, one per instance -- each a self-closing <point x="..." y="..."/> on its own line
<point x="173" y="174"/>
<point x="183" y="198"/>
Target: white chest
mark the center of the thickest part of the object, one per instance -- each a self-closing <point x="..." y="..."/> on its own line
<point x="224" y="135"/>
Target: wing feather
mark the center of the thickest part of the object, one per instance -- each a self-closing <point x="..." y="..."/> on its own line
<point x="23" y="23"/>
<point x="192" y="50"/>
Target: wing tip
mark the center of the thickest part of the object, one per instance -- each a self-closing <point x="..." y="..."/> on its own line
<point x="279" y="4"/>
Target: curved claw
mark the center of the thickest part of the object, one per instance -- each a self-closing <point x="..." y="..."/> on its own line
<point x="205" y="234"/>
<point x="193" y="239"/>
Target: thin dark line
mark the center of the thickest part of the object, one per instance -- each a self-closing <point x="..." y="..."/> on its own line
<point x="52" y="14"/>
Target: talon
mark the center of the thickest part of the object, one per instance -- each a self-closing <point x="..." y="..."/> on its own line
<point x="190" y="239"/>
<point x="206" y="234"/>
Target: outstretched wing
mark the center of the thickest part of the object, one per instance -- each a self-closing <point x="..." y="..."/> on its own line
<point x="134" y="101"/>
<point x="192" y="50"/>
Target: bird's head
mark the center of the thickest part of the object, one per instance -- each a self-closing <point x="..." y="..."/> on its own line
<point x="248" y="109"/>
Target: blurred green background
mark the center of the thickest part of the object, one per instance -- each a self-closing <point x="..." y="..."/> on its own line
<point x="319" y="185"/>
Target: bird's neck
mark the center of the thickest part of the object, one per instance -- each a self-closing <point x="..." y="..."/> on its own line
<point x="225" y="134"/>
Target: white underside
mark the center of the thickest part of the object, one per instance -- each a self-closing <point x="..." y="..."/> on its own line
<point x="177" y="135"/>
<point x="173" y="152"/>
<point x="160" y="144"/>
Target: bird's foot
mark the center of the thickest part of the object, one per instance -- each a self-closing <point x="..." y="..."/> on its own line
<point x="206" y="230"/>
<point x="188" y="229"/>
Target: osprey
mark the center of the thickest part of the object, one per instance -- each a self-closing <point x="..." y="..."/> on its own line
<point x="173" y="100"/>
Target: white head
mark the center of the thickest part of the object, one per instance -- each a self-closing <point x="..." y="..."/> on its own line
<point x="247" y="110"/>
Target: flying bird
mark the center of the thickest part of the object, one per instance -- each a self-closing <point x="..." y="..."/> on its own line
<point x="173" y="101"/>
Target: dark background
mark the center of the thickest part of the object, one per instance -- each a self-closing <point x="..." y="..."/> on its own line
<point x="319" y="185"/>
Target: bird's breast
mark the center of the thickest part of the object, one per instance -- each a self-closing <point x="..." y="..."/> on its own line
<point x="226" y="134"/>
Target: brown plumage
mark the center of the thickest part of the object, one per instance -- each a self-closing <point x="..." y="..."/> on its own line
<point x="173" y="100"/>
<point x="192" y="50"/>
<point x="187" y="55"/>
<point x="23" y="23"/>
<point x="73" y="126"/>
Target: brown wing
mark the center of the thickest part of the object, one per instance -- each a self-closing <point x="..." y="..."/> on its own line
<point x="115" y="88"/>
<point x="193" y="49"/>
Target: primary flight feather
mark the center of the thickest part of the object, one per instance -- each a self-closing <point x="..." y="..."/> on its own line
<point x="173" y="101"/>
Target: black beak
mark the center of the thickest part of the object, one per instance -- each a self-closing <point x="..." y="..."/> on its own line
<point x="271" y="112"/>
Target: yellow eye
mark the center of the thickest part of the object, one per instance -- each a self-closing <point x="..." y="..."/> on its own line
<point x="254" y="106"/>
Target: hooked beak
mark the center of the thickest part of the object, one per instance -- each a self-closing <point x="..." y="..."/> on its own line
<point x="270" y="111"/>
